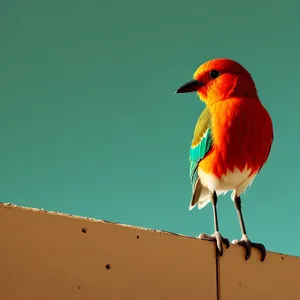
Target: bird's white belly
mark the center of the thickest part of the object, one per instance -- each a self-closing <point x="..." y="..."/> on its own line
<point x="237" y="181"/>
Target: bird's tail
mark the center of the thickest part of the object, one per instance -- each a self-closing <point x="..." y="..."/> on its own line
<point x="201" y="195"/>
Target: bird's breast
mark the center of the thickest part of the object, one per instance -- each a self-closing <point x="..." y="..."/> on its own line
<point x="242" y="136"/>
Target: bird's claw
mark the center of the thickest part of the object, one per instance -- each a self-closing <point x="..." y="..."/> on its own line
<point x="216" y="237"/>
<point x="248" y="245"/>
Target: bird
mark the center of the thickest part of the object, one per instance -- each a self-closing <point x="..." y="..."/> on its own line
<point x="231" y="143"/>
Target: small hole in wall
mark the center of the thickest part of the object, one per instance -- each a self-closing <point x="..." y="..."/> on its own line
<point x="137" y="237"/>
<point x="84" y="230"/>
<point x="107" y="266"/>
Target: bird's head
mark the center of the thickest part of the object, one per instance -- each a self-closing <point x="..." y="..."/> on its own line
<point x="219" y="79"/>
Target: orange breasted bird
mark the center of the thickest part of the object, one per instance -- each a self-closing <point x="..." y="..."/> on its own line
<point x="232" y="141"/>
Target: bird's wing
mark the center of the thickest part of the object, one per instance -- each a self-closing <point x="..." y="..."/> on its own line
<point x="201" y="144"/>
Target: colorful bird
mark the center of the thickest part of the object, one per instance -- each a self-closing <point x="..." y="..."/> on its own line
<point x="232" y="141"/>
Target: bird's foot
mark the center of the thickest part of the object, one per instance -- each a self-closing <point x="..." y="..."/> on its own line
<point x="247" y="244"/>
<point x="216" y="237"/>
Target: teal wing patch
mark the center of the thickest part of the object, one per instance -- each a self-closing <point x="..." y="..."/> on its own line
<point x="201" y="144"/>
<point x="197" y="153"/>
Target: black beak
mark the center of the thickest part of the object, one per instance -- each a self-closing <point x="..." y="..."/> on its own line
<point x="191" y="86"/>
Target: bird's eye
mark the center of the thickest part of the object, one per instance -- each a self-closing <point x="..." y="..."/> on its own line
<point x="214" y="74"/>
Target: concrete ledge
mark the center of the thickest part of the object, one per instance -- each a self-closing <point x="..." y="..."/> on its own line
<point x="53" y="256"/>
<point x="278" y="277"/>
<point x="46" y="255"/>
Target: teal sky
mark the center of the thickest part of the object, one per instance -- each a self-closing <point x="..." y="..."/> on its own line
<point x="90" y="123"/>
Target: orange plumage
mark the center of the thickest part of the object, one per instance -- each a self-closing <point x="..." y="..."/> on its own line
<point x="242" y="136"/>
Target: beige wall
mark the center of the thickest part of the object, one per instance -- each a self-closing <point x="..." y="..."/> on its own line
<point x="46" y="255"/>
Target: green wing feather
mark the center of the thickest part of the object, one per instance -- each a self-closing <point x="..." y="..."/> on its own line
<point x="201" y="144"/>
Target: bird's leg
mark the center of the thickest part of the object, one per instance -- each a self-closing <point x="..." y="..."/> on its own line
<point x="216" y="236"/>
<point x="244" y="241"/>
